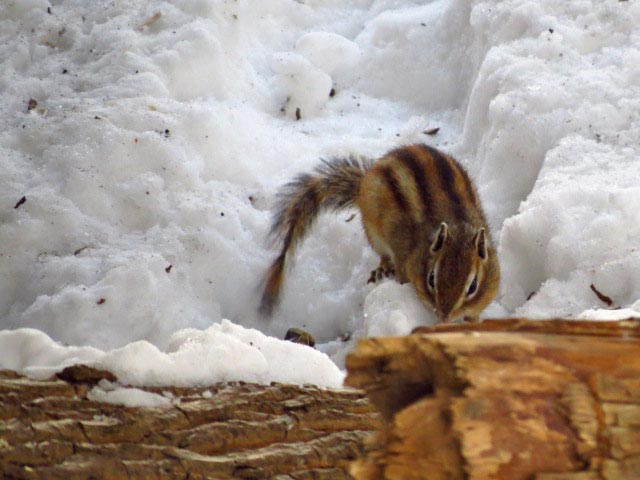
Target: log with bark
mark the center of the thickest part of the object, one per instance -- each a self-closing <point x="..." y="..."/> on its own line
<point x="51" y="430"/>
<point x="516" y="399"/>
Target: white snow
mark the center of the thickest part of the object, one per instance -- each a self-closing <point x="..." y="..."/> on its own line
<point x="604" y="315"/>
<point x="158" y="143"/>
<point x="222" y="352"/>
<point x="129" y="397"/>
<point x="394" y="309"/>
<point x="328" y="51"/>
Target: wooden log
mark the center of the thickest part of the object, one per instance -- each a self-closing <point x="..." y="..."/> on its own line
<point x="52" y="430"/>
<point x="515" y="399"/>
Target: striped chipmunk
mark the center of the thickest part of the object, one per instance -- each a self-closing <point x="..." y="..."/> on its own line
<point x="420" y="212"/>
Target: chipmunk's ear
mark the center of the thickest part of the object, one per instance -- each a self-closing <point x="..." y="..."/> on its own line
<point x="440" y="238"/>
<point x="480" y="242"/>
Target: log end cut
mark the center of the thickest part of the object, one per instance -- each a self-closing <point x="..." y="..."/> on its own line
<point x="501" y="400"/>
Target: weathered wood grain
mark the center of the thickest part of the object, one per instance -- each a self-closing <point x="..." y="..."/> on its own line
<point x="516" y="399"/>
<point x="50" y="430"/>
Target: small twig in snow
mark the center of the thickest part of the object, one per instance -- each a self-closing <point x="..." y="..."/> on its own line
<point x="150" y="21"/>
<point x="601" y="295"/>
<point x="20" y="202"/>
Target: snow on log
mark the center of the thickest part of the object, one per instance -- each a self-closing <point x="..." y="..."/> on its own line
<point x="513" y="399"/>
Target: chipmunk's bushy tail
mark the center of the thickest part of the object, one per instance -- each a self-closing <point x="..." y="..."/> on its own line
<point x="333" y="185"/>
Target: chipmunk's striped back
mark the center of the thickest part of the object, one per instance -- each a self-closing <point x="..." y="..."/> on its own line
<point x="422" y="184"/>
<point x="421" y="214"/>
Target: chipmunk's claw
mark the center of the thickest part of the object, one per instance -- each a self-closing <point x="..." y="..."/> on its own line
<point x="373" y="276"/>
<point x="381" y="271"/>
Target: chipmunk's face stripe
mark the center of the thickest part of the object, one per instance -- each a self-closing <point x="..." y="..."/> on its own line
<point x="478" y="297"/>
<point x="411" y="162"/>
<point x="396" y="190"/>
<point x="429" y="291"/>
<point x="470" y="286"/>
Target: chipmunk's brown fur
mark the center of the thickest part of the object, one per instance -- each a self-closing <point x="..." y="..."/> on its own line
<point x="421" y="214"/>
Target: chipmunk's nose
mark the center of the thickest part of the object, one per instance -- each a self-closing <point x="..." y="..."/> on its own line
<point x="444" y="317"/>
<point x="449" y="319"/>
<point x="447" y="314"/>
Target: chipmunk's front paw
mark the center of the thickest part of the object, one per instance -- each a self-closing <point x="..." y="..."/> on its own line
<point x="381" y="271"/>
<point x="375" y="276"/>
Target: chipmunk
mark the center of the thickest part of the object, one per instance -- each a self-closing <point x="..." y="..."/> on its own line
<point x="420" y="212"/>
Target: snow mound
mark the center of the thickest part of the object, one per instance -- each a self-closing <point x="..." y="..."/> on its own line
<point x="306" y="86"/>
<point x="222" y="352"/>
<point x="392" y="309"/>
<point x="328" y="51"/>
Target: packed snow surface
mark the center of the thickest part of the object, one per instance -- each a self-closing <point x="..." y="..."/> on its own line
<point x="142" y="144"/>
<point x="222" y="352"/>
<point x="129" y="397"/>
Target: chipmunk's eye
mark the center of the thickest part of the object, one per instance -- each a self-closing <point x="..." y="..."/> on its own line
<point x="432" y="280"/>
<point x="473" y="287"/>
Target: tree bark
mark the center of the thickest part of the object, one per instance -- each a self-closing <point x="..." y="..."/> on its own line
<point x="50" y="430"/>
<point x="516" y="399"/>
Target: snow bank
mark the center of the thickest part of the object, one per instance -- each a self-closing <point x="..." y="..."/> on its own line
<point x="193" y="357"/>
<point x="554" y="118"/>
<point x="161" y="132"/>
